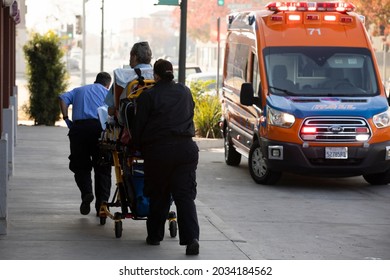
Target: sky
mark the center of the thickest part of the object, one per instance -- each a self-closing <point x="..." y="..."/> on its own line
<point x="43" y="15"/>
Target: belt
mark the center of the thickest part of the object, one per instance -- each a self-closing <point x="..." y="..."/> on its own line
<point x="85" y="121"/>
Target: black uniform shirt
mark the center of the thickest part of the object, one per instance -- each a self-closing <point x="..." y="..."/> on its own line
<point x="163" y="112"/>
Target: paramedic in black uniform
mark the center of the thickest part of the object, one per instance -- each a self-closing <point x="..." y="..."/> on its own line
<point x="163" y="131"/>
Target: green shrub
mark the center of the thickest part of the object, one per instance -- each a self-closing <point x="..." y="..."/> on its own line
<point x="46" y="77"/>
<point x="207" y="111"/>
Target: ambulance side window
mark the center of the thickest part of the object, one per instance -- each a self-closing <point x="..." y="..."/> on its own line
<point x="237" y="65"/>
<point x="255" y="75"/>
<point x="230" y="51"/>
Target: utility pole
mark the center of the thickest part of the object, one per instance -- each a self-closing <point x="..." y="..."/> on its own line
<point x="102" y="40"/>
<point x="183" y="35"/>
<point x="84" y="47"/>
<point x="218" y="51"/>
<point x="183" y="41"/>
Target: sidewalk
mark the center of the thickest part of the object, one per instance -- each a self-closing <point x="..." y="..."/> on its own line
<point x="44" y="222"/>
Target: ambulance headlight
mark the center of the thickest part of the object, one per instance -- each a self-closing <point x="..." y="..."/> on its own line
<point x="279" y="118"/>
<point x="382" y="119"/>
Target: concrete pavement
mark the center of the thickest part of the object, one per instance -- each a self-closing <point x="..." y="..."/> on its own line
<point x="44" y="222"/>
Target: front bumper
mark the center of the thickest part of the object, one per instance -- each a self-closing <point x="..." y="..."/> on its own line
<point x="289" y="157"/>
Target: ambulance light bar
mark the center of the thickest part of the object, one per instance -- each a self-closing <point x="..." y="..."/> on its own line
<point x="311" y="6"/>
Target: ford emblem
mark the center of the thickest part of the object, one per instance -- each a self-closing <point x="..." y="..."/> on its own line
<point x="335" y="129"/>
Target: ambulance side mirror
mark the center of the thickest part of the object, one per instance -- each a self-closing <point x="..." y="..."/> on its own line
<point x="247" y="94"/>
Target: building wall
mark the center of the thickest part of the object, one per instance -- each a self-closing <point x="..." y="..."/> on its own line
<point x="9" y="18"/>
<point x="21" y="39"/>
<point x="2" y="35"/>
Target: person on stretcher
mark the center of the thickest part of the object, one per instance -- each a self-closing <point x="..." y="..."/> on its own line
<point x="140" y="58"/>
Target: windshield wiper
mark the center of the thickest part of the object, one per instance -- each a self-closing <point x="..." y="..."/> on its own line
<point x="329" y="94"/>
<point x="290" y="93"/>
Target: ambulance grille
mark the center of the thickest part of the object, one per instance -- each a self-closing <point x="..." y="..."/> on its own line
<point x="335" y="129"/>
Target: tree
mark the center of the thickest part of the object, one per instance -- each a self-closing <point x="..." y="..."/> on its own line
<point x="376" y="12"/>
<point x="47" y="77"/>
<point x="202" y="16"/>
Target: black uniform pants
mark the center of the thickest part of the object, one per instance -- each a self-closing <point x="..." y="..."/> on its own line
<point x="85" y="156"/>
<point x="170" y="171"/>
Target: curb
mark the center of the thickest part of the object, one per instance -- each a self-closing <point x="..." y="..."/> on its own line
<point x="208" y="143"/>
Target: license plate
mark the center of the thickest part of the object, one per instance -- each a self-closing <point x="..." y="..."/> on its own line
<point x="336" y="152"/>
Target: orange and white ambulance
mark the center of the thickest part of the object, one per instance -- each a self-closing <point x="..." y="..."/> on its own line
<point x="302" y="93"/>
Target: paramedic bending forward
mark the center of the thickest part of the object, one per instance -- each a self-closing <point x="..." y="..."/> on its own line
<point x="84" y="133"/>
<point x="163" y="133"/>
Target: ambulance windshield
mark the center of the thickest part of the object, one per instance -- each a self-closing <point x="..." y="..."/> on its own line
<point x="320" y="71"/>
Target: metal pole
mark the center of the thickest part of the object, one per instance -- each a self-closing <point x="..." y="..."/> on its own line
<point x="384" y="64"/>
<point x="83" y="47"/>
<point x="183" y="42"/>
<point x="218" y="52"/>
<point x="102" y="40"/>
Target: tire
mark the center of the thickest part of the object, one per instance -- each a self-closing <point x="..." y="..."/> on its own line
<point x="172" y="215"/>
<point x="232" y="157"/>
<point x="102" y="213"/>
<point x="118" y="229"/>
<point x="258" y="167"/>
<point x="378" y="178"/>
<point x="173" y="228"/>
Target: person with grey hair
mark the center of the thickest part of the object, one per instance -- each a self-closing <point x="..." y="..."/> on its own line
<point x="140" y="55"/>
<point x="162" y="132"/>
<point x="140" y="58"/>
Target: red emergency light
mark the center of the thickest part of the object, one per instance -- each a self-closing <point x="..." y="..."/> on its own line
<point x="308" y="130"/>
<point x="311" y="6"/>
<point x="312" y="17"/>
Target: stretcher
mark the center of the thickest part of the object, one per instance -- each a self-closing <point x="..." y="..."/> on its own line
<point x="128" y="198"/>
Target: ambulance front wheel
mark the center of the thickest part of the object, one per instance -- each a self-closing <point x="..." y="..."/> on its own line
<point x="258" y="167"/>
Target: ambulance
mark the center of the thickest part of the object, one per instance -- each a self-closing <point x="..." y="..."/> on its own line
<point x="302" y="94"/>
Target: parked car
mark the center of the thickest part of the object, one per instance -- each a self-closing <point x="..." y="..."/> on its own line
<point x="72" y="63"/>
<point x="190" y="69"/>
<point x="206" y="77"/>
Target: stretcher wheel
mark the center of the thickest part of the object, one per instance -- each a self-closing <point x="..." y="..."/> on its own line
<point x="118" y="229"/>
<point x="173" y="228"/>
<point x="172" y="215"/>
<point x="103" y="220"/>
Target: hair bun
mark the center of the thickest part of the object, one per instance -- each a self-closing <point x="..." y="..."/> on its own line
<point x="164" y="69"/>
